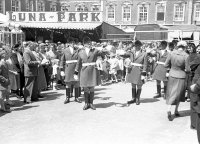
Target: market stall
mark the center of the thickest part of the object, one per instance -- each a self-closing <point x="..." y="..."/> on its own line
<point x="10" y="32"/>
<point x="63" y="26"/>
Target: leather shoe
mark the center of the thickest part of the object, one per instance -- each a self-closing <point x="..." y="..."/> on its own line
<point x="27" y="102"/>
<point x="86" y="106"/>
<point x="40" y="96"/>
<point x="66" y="101"/>
<point x="158" y="96"/>
<point x="177" y="114"/>
<point x="131" y="101"/>
<point x="137" y="102"/>
<point x="77" y="100"/>
<point x="169" y="115"/>
<point x="92" y="107"/>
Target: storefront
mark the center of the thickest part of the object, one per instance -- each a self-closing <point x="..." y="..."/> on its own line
<point x="63" y="26"/>
<point x="10" y="32"/>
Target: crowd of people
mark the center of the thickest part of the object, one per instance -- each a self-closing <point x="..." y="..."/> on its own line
<point x="28" y="68"/>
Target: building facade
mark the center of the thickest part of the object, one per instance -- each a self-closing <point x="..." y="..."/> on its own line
<point x="118" y="12"/>
<point x="121" y="13"/>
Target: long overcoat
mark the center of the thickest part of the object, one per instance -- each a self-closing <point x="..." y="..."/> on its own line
<point x="69" y="68"/>
<point x="160" y="70"/>
<point x="134" y="72"/>
<point x="4" y="77"/>
<point x="89" y="75"/>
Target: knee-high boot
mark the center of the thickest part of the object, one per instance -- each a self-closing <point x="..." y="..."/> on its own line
<point x="91" y="99"/>
<point x="86" y="95"/>
<point x="133" y="96"/>
<point x="165" y="91"/>
<point x="72" y="90"/>
<point x="67" y="96"/>
<point x="77" y="95"/>
<point x="138" y="96"/>
<point x="158" y="91"/>
<point x="79" y="91"/>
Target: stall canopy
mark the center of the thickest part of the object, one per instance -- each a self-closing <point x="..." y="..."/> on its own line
<point x="83" y="26"/>
<point x="182" y="31"/>
<point x="63" y="25"/>
<point x="150" y="32"/>
<point x="110" y="32"/>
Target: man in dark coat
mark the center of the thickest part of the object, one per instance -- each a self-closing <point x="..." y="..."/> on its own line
<point x="195" y="89"/>
<point x="160" y="71"/>
<point x="68" y="64"/>
<point x="30" y="73"/>
<point x="89" y="74"/>
<point x="137" y="71"/>
<point x="194" y="62"/>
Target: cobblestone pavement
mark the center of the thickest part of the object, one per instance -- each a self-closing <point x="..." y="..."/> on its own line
<point x="49" y="121"/>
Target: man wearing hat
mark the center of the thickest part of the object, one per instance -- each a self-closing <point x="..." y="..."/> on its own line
<point x="160" y="71"/>
<point x="47" y="42"/>
<point x="68" y="64"/>
<point x="136" y="72"/>
<point x="89" y="75"/>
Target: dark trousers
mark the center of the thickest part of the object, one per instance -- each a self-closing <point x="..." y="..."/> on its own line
<point x="48" y="72"/>
<point x="22" y="83"/>
<point x="198" y="127"/>
<point x="193" y="103"/>
<point x="30" y="88"/>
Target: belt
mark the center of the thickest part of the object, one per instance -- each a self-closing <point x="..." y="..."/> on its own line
<point x="136" y="64"/>
<point x="161" y="63"/>
<point x="71" y="61"/>
<point x="89" y="64"/>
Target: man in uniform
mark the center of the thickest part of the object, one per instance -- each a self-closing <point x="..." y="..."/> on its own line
<point x="89" y="74"/>
<point x="136" y="72"/>
<point x="160" y="71"/>
<point x="68" y="64"/>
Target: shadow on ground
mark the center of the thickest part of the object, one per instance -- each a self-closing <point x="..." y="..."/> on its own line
<point x="25" y="107"/>
<point x="50" y="96"/>
<point x="110" y="104"/>
<point x="102" y="98"/>
<point x="20" y="105"/>
<point x="149" y="100"/>
<point x="184" y="113"/>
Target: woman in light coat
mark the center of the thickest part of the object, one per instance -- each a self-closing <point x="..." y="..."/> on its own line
<point x="178" y="63"/>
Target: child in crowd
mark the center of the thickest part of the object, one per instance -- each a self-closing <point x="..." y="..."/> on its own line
<point x="4" y="82"/>
<point x="114" y="66"/>
<point x="55" y="74"/>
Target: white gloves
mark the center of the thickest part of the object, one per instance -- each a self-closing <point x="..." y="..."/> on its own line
<point x="192" y="87"/>
<point x="75" y="77"/>
<point x="62" y="73"/>
<point x="142" y="77"/>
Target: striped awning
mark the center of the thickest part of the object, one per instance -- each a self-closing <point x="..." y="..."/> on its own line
<point x="83" y="26"/>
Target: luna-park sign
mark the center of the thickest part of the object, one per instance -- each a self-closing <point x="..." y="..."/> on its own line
<point x="55" y="16"/>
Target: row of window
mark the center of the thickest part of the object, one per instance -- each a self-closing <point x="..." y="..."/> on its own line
<point x="15" y="6"/>
<point x="143" y="10"/>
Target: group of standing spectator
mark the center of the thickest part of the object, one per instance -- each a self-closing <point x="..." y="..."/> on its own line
<point x="28" y="68"/>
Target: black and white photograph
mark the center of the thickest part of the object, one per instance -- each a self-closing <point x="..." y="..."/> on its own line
<point x="100" y="71"/>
